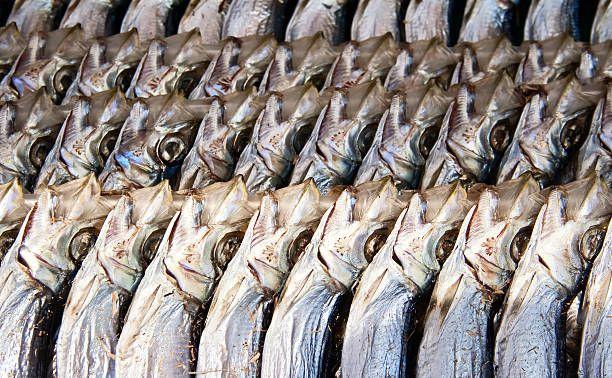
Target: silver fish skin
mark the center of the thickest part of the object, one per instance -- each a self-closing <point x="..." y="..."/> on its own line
<point x="486" y="57"/>
<point x="551" y="125"/>
<point x="207" y="16"/>
<point x="566" y="237"/>
<point x="305" y="60"/>
<point x="421" y="63"/>
<point x="595" y="63"/>
<point x="458" y="328"/>
<point x="86" y="139"/>
<point x="109" y="63"/>
<point x="341" y="136"/>
<point x="56" y="234"/>
<point x="30" y="126"/>
<point x="153" y="18"/>
<point x="573" y="332"/>
<point x="246" y="18"/>
<point x="103" y="287"/>
<point x="375" y="18"/>
<point x="11" y="45"/>
<point x="172" y="64"/>
<point x="153" y="142"/>
<point x="485" y="19"/>
<point x="303" y="334"/>
<point x="324" y="16"/>
<point x="239" y="65"/>
<point x="475" y="132"/>
<point x="32" y="16"/>
<point x="244" y="300"/>
<point x="98" y="18"/>
<point x="360" y="62"/>
<point x="382" y="315"/>
<point x="601" y="30"/>
<point x="49" y="60"/>
<point x="594" y="347"/>
<point x="549" y="18"/>
<point x="15" y="204"/>
<point x="280" y="133"/>
<point x="223" y="134"/>
<point x="165" y="318"/>
<point x="405" y="135"/>
<point x="548" y="60"/>
<point x="425" y="20"/>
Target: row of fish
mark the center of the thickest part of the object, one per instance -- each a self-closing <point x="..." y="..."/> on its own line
<point x="456" y="280"/>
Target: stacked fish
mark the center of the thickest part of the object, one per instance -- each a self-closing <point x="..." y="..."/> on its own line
<point x="398" y="188"/>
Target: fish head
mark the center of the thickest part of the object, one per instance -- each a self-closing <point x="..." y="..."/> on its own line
<point x="206" y="234"/>
<point x="498" y="231"/>
<point x="14" y="206"/>
<point x="60" y="229"/>
<point x="11" y="44"/>
<point x="475" y="132"/>
<point x="552" y="125"/>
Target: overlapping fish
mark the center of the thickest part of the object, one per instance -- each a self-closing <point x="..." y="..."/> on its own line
<point x="329" y="17"/>
<point x="11" y="45"/>
<point x="207" y="16"/>
<point x="153" y="18"/>
<point x="29" y="126"/>
<point x="549" y="18"/>
<point x="33" y="16"/>
<point x="98" y="18"/>
<point x="35" y="275"/>
<point x="153" y="142"/>
<point x="341" y="137"/>
<point x="244" y="300"/>
<point x="246" y="18"/>
<point x="566" y="238"/>
<point x="458" y="328"/>
<point x="164" y="321"/>
<point x="103" y="287"/>
<point x="433" y="19"/>
<point x="475" y="133"/>
<point x="406" y="134"/>
<point x="223" y="134"/>
<point x="304" y="336"/>
<point x="279" y="135"/>
<point x="595" y="63"/>
<point x="601" y="30"/>
<point x="383" y="316"/>
<point x="375" y="18"/>
<point x="86" y="139"/>
<point x="485" y="19"/>
<point x="552" y="125"/>
<point x="14" y="206"/>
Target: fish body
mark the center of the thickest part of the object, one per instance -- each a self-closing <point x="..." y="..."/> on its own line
<point x="207" y="16"/>
<point x="56" y="234"/>
<point x="222" y="136"/>
<point x="153" y="18"/>
<point x="325" y="16"/>
<point x="341" y="137"/>
<point x="246" y="18"/>
<point x="14" y="206"/>
<point x="239" y="65"/>
<point x="153" y="142"/>
<point x="305" y="60"/>
<point x="86" y="139"/>
<point x="11" y="45"/>
<point x="383" y="312"/>
<point x="32" y="16"/>
<point x="244" y="300"/>
<point x="458" y="328"/>
<point x="30" y="126"/>
<point x="102" y="288"/>
<point x="165" y="318"/>
<point x="281" y="130"/>
<point x="551" y="126"/>
<point x="405" y="135"/>
<point x="429" y="19"/>
<point x="549" y="18"/>
<point x="475" y="132"/>
<point x="302" y="339"/>
<point x="98" y="18"/>
<point x="360" y="62"/>
<point x="566" y="238"/>
<point x="601" y="30"/>
<point x="375" y="18"/>
<point x="486" y="19"/>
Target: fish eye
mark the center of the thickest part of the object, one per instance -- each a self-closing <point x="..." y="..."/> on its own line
<point x="374" y="244"/>
<point x="446" y="244"/>
<point x="81" y="243"/>
<point x="365" y="138"/>
<point x="240" y="141"/>
<point x="107" y="144"/>
<point x="519" y="243"/>
<point x="570" y="135"/>
<point x="252" y="81"/>
<point x="591" y="242"/>
<point x="124" y="79"/>
<point x="39" y="151"/>
<point x="298" y="246"/>
<point x="172" y="150"/>
<point x="186" y="83"/>
<point x="6" y="241"/>
<point x="63" y="78"/>
<point x="148" y="249"/>
<point x="499" y="139"/>
<point x="428" y="140"/>
<point x="227" y="248"/>
<point x="300" y="138"/>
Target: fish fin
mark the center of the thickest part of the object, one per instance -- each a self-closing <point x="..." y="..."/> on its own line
<point x="96" y="56"/>
<point x="154" y="59"/>
<point x="120" y="219"/>
<point x="415" y="215"/>
<point x="336" y="111"/>
<point x="485" y="214"/>
<point x="265" y="224"/>
<point x="463" y="107"/>
<point x="555" y="215"/>
<point x="386" y="193"/>
<point x="135" y="124"/>
<point x="308" y="199"/>
<point x="341" y="214"/>
<point x="394" y="118"/>
<point x="533" y="61"/>
<point x="154" y="203"/>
